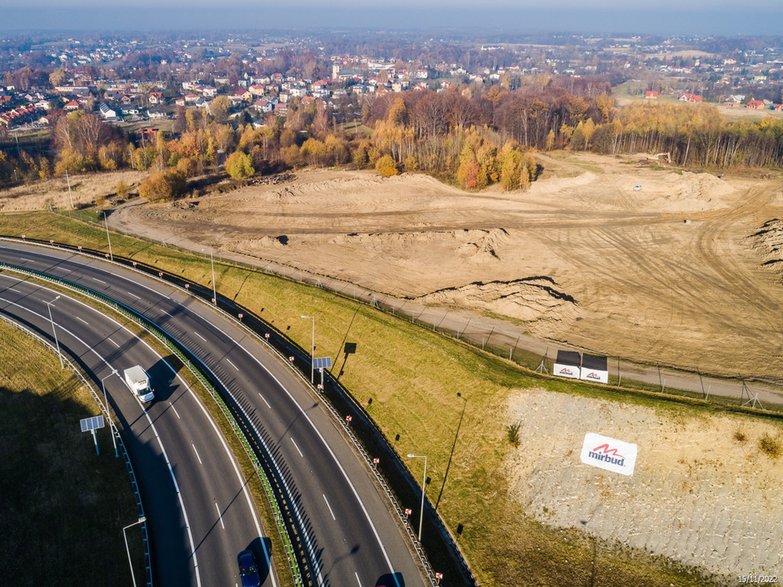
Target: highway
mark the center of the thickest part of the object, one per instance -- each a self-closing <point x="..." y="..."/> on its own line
<point x="199" y="512"/>
<point x="351" y="536"/>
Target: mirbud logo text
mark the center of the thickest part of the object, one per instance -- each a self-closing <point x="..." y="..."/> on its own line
<point x="609" y="453"/>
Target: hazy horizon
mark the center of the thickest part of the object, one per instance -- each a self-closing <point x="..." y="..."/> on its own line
<point x="599" y="16"/>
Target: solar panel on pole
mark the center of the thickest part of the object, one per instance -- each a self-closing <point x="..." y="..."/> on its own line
<point x="322" y="362"/>
<point x="91" y="425"/>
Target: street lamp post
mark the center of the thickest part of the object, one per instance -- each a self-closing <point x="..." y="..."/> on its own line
<point x="423" y="487"/>
<point x="141" y="520"/>
<point x="108" y="238"/>
<point x="108" y="413"/>
<point x="54" y="332"/>
<point x="212" y="268"/>
<point x="214" y="286"/>
<point x="312" y="350"/>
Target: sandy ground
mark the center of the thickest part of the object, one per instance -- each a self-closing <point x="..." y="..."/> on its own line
<point x="720" y="511"/>
<point x="665" y="274"/>
<point x="84" y="190"/>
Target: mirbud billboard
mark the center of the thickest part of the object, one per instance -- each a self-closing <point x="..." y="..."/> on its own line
<point x="609" y="453"/>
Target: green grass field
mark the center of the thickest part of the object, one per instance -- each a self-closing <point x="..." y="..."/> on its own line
<point x="412" y="376"/>
<point x="63" y="507"/>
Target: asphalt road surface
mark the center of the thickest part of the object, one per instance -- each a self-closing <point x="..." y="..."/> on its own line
<point x="199" y="512"/>
<point x="352" y="537"/>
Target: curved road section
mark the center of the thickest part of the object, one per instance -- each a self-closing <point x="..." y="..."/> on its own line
<point x="199" y="512"/>
<point x="351" y="537"/>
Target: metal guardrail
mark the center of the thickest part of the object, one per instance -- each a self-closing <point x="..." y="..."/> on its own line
<point x="240" y="432"/>
<point x="461" y="567"/>
<point x="115" y="431"/>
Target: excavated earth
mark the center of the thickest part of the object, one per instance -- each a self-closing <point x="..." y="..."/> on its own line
<point x="614" y="254"/>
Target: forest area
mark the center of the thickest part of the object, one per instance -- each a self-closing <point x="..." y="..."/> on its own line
<point x="469" y="137"/>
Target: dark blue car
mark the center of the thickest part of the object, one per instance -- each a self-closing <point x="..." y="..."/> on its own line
<point x="248" y="569"/>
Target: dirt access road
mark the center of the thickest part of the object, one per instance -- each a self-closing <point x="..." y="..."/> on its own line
<point x="668" y="273"/>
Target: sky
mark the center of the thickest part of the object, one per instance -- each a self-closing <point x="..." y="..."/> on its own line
<point x="720" y="17"/>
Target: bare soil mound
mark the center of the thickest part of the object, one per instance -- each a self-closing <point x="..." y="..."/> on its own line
<point x="531" y="299"/>
<point x="703" y="491"/>
<point x="768" y="240"/>
<point x="658" y="258"/>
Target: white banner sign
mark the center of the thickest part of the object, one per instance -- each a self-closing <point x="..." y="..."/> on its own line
<point x="594" y="375"/>
<point x="609" y="453"/>
<point x="566" y="371"/>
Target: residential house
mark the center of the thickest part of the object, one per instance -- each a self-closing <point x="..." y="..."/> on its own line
<point x="691" y="98"/>
<point x="240" y="96"/>
<point x="651" y="94"/>
<point x="263" y="105"/>
<point x="106" y="112"/>
<point x="756" y="105"/>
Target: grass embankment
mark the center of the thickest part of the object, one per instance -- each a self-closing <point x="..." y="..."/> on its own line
<point x="63" y="507"/>
<point x="412" y="377"/>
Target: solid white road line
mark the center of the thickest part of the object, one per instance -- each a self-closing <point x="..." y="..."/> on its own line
<point x="328" y="506"/>
<point x="220" y="516"/>
<point x="176" y="413"/>
<point x="195" y="451"/>
<point x="296" y="447"/>
<point x="264" y="400"/>
<point x="201" y="337"/>
<point x="232" y="364"/>
<point x="149" y="421"/>
<point x="328" y="449"/>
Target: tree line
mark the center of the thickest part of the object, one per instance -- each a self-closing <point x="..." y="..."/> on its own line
<point x="470" y="136"/>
